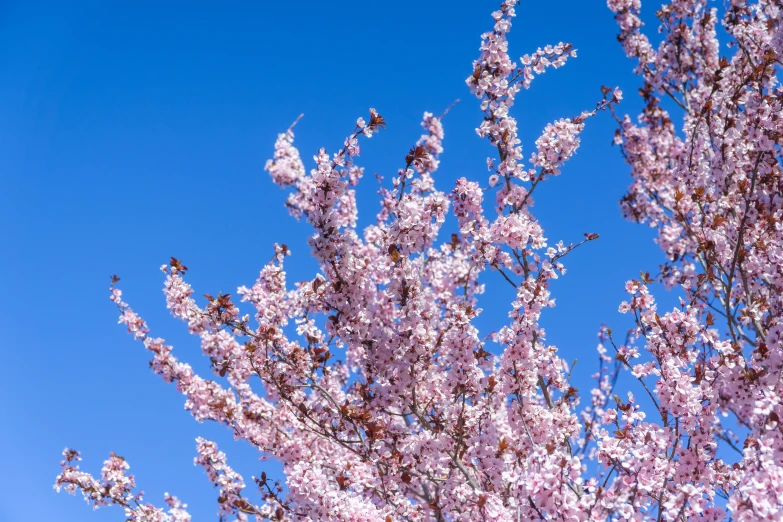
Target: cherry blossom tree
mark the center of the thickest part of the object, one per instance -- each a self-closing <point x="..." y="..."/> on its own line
<point x="384" y="403"/>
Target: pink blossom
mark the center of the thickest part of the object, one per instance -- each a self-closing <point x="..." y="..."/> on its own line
<point x="374" y="387"/>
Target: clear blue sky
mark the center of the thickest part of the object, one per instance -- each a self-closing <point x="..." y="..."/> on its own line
<point x="132" y="134"/>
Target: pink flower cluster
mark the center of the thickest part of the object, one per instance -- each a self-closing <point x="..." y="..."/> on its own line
<point x="116" y="487"/>
<point x="712" y="189"/>
<point x="383" y="401"/>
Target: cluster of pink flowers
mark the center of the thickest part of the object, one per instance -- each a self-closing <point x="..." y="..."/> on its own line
<point x="116" y="487"/>
<point x="713" y="191"/>
<point x="382" y="400"/>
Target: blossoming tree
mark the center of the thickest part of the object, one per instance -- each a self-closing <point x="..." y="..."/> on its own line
<point x="382" y="401"/>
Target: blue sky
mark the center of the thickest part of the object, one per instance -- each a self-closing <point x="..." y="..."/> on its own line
<point x="132" y="134"/>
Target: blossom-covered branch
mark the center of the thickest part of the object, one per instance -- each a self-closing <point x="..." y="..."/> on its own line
<point x="371" y="384"/>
